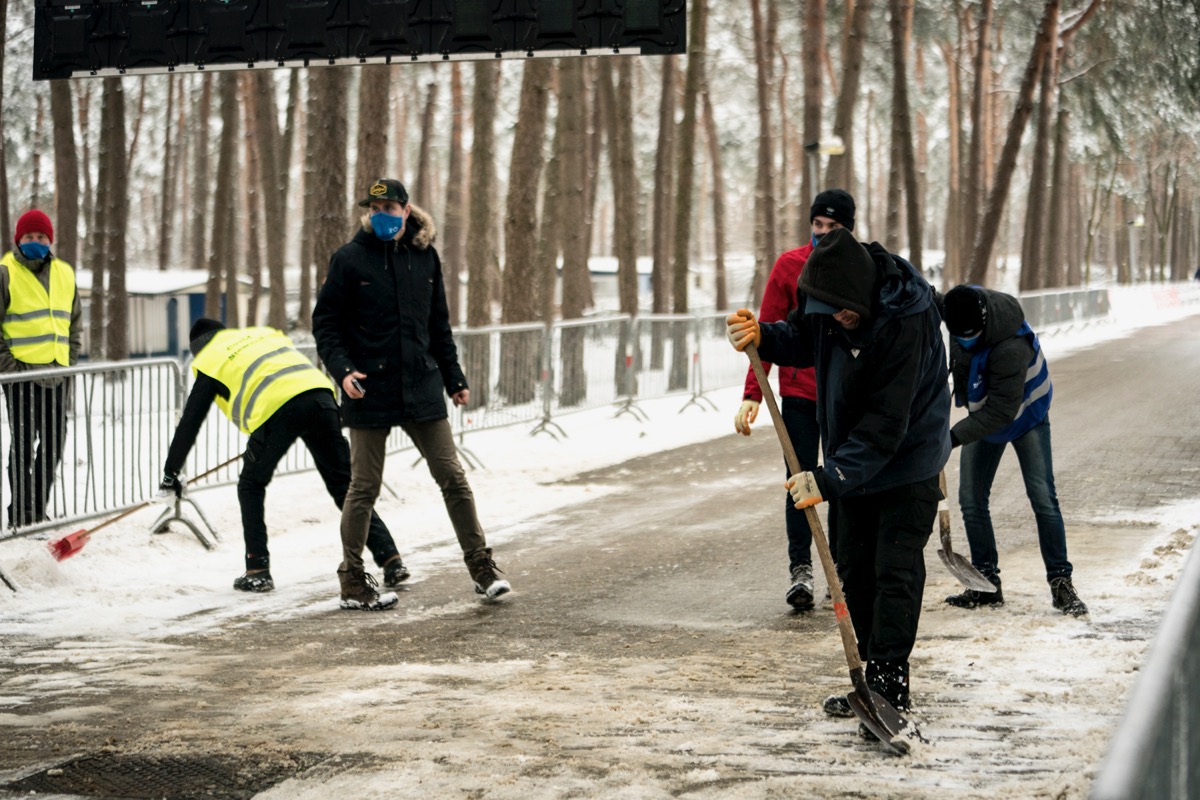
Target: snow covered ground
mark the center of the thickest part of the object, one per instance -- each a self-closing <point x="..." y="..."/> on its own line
<point x="130" y="588"/>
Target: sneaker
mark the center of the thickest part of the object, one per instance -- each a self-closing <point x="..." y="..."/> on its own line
<point x="394" y="572"/>
<point x="358" y="591"/>
<point x="800" y="595"/>
<point x="259" y="581"/>
<point x="973" y="599"/>
<point x="836" y="705"/>
<point x="1062" y="592"/>
<point x="483" y="571"/>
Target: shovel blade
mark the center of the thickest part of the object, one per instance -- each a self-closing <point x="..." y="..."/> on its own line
<point x="881" y="719"/>
<point x="68" y="545"/>
<point x="965" y="572"/>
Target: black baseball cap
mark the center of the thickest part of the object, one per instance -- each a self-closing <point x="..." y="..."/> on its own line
<point x="385" y="189"/>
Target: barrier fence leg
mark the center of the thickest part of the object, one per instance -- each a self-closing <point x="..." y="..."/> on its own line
<point x="174" y="513"/>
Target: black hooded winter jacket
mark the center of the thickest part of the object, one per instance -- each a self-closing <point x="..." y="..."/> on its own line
<point x="883" y="395"/>
<point x="383" y="312"/>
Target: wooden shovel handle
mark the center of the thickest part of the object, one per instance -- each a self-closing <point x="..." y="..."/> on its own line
<point x="845" y="627"/>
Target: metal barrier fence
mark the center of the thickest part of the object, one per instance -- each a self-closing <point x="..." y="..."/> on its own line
<point x="1155" y="753"/>
<point x="120" y="417"/>
<point x="76" y="442"/>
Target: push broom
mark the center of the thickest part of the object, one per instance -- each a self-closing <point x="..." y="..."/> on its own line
<point x="67" y="546"/>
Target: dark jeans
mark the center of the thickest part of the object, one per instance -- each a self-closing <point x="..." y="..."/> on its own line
<point x="37" y="416"/>
<point x="313" y="418"/>
<point x="435" y="443"/>
<point x="881" y="539"/>
<point x="977" y="471"/>
<point x="800" y="419"/>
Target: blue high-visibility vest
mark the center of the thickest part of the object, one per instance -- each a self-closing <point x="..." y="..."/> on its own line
<point x="1035" y="402"/>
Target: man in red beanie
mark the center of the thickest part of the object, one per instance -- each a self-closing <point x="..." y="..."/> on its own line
<point x="42" y="329"/>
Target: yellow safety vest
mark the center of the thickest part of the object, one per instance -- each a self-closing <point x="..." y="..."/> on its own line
<point x="262" y="369"/>
<point x="37" y="323"/>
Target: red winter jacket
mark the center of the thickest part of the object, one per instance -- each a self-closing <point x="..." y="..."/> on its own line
<point x="779" y="298"/>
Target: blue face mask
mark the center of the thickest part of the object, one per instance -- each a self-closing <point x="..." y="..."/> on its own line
<point x="34" y="251"/>
<point x="967" y="344"/>
<point x="816" y="237"/>
<point x="386" y="226"/>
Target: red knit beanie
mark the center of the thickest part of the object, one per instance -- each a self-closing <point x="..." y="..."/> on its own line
<point x="34" y="221"/>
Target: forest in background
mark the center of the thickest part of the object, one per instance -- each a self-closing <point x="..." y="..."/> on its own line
<point x="1060" y="137"/>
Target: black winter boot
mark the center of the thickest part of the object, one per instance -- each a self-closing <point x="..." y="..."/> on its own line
<point x="1062" y="592"/>
<point x="358" y="591"/>
<point x="889" y="679"/>
<point x="483" y="571"/>
<point x="973" y="599"/>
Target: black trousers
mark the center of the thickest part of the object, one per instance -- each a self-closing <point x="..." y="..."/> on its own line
<point x="37" y="416"/>
<point x="881" y="562"/>
<point x="313" y="418"/>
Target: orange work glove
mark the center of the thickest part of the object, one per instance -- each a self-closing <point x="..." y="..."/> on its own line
<point x="742" y="329"/>
<point x="804" y="491"/>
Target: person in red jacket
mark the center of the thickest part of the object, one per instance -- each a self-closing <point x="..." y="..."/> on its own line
<point x="832" y="208"/>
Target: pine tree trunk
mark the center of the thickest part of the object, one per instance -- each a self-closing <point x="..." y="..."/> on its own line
<point x="840" y="171"/>
<point x="453" y="250"/>
<point x="6" y="222"/>
<point x="274" y="194"/>
<point x="519" y="356"/>
<point x="814" y="55"/>
<point x="480" y="202"/>
<point x="66" y="174"/>
<point x="1054" y="255"/>
<point x="1033" y="268"/>
<point x="112" y="122"/>
<point x="166" y="209"/>
<point x="718" y="201"/>
<point x="663" y="211"/>
<point x="989" y="226"/>
<point x="373" y="126"/>
<point x="902" y="126"/>
<point x="975" y="185"/>
<point x="222" y="255"/>
<point x="572" y="111"/>
<point x="764" y="197"/>
<point x="199" y="194"/>
<point x="328" y="133"/>
<point x="424" y="165"/>
<point x="254" y="188"/>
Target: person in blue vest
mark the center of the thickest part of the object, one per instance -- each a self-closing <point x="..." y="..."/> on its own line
<point x="43" y="329"/>
<point x="1001" y="376"/>
<point x="272" y="392"/>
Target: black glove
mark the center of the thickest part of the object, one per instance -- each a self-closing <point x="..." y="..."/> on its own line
<point x="171" y="485"/>
<point x="954" y="442"/>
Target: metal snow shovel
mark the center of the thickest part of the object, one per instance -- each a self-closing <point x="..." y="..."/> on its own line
<point x="959" y="567"/>
<point x="67" y="546"/>
<point x="880" y="717"/>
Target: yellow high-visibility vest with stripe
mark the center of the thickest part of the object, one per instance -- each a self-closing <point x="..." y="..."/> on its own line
<point x="37" y="323"/>
<point x="262" y="369"/>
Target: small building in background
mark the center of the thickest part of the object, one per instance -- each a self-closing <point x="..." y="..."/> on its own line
<point x="162" y="308"/>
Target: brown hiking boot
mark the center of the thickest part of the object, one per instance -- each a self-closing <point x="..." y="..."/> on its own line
<point x="358" y="591"/>
<point x="483" y="571"/>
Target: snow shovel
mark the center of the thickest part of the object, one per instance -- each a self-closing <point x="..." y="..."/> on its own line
<point x="880" y="717"/>
<point x="67" y="546"/>
<point x="959" y="567"/>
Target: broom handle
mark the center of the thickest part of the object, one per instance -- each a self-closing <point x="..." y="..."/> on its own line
<point x="849" y="641"/>
<point x="145" y="503"/>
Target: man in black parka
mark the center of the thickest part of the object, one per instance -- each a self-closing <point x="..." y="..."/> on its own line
<point x="867" y="322"/>
<point x="382" y="327"/>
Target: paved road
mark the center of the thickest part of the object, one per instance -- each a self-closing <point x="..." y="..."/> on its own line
<point x="648" y="652"/>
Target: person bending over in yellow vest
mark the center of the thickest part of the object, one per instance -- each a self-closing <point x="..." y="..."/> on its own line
<point x="272" y="392"/>
<point x="43" y="329"/>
